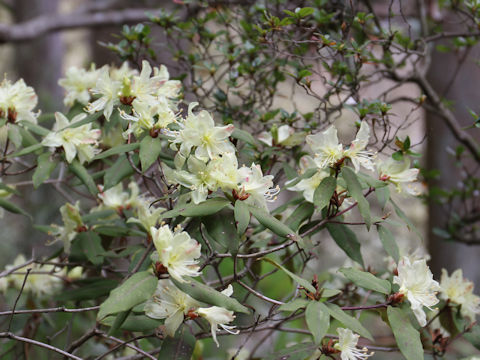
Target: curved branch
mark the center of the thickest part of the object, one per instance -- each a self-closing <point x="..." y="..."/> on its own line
<point x="42" y="25"/>
<point x="12" y="336"/>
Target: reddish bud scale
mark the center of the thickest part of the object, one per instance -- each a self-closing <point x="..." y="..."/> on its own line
<point x="12" y="115"/>
<point x="160" y="269"/>
<point x="127" y="100"/>
<point x="81" y="228"/>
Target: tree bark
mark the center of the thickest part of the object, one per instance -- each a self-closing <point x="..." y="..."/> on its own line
<point x="446" y="254"/>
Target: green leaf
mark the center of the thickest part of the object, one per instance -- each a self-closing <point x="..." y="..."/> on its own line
<point x="91" y="245"/>
<point x="306" y="175"/>
<point x="295" y="352"/>
<point x="11" y="207"/>
<point x="398" y="156"/>
<point x="305" y="11"/>
<point x="346" y="240"/>
<point x="407" y="337"/>
<point x="367" y="280"/>
<point x="88" y="289"/>
<point x="150" y="149"/>
<point x="294" y="305"/>
<point x="119" y="320"/>
<point x="88" y="119"/>
<point x="473" y="336"/>
<point x="36" y="129"/>
<point x="327" y="293"/>
<point x="355" y="190"/>
<point x="140" y="323"/>
<point x="96" y="215"/>
<point x="349" y="321"/>
<point x="14" y="135"/>
<point x="272" y="223"/>
<point x="120" y="170"/>
<point x="208" y="295"/>
<point x="82" y="173"/>
<point x="117" y="150"/>
<point x="242" y="216"/>
<point x="45" y="167"/>
<point x="9" y="189"/>
<point x="135" y="290"/>
<point x="300" y="214"/>
<point x="318" y="320"/>
<point x="221" y="228"/>
<point x="179" y="347"/>
<point x="208" y="207"/>
<point x="383" y="195"/>
<point x="407" y="221"/>
<point x="323" y="193"/>
<point x="246" y="137"/>
<point x="302" y="282"/>
<point x="295" y="201"/>
<point x="27" y="150"/>
<point x="388" y="242"/>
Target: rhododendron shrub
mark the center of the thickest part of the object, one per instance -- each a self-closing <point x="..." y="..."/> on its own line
<point x="187" y="232"/>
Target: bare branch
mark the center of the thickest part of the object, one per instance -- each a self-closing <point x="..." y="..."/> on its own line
<point x="12" y="336"/>
<point x="42" y="25"/>
<point x="49" y="310"/>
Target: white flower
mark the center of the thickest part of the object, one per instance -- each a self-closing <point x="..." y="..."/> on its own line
<point x="357" y="153"/>
<point x="171" y="304"/>
<point x="218" y="316"/>
<point x="77" y="84"/>
<point x="72" y="221"/>
<point x="117" y="199"/>
<point x="17" y="101"/>
<point x="178" y="252"/>
<point x="124" y="71"/>
<point x="143" y="87"/>
<point x="460" y="291"/>
<point x="147" y="215"/>
<point x="326" y="148"/>
<point x="285" y="135"/>
<point x="199" y="131"/>
<point x="147" y="116"/>
<point x="266" y="138"/>
<point x="81" y="140"/>
<point x="224" y="171"/>
<point x="328" y="151"/>
<point x="198" y="179"/>
<point x="109" y="90"/>
<point x="399" y="174"/>
<point x="42" y="280"/>
<point x="347" y="344"/>
<point x="259" y="187"/>
<point x="309" y="185"/>
<point x="169" y="88"/>
<point x="417" y="284"/>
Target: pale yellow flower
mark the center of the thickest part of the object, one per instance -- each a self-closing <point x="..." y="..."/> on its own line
<point x="417" y="284"/>
<point x="177" y="251"/>
<point x="347" y="345"/>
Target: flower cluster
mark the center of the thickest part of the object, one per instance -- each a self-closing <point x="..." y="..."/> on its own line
<point x="328" y="155"/>
<point x="175" y="306"/>
<point x="211" y="163"/>
<point x="17" y="101"/>
<point x="459" y="290"/>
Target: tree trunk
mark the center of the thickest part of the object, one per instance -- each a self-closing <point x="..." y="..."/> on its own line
<point x="463" y="93"/>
